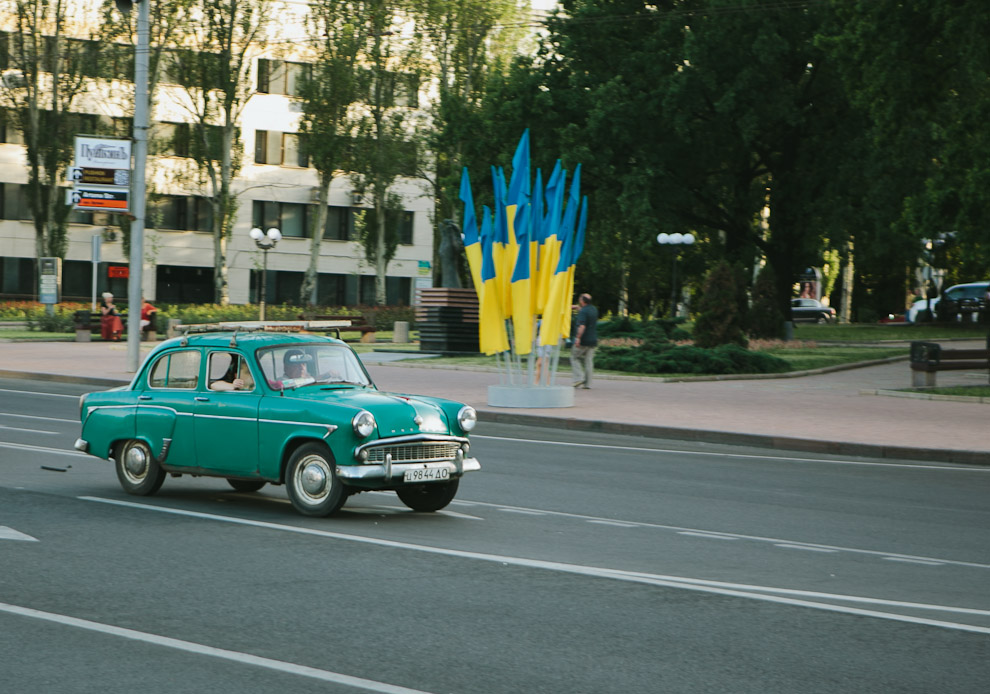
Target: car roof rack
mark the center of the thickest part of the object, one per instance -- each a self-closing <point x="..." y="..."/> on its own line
<point x="288" y="326"/>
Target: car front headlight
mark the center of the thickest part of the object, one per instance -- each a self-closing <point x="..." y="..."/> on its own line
<point x="363" y="423"/>
<point x="467" y="418"/>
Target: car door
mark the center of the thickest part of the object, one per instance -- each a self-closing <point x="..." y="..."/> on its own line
<point x="165" y="406"/>
<point x="226" y="421"/>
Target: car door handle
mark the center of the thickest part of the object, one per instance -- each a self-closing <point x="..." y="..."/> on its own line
<point x="200" y="398"/>
<point x="144" y="397"/>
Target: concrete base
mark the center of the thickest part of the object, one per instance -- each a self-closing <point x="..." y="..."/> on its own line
<point x="84" y="335"/>
<point x="531" y="396"/>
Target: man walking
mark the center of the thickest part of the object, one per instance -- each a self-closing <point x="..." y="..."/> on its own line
<point x="585" y="341"/>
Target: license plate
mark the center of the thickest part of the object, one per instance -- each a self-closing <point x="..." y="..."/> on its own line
<point x="426" y="474"/>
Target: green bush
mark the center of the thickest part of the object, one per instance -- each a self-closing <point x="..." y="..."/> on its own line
<point x="718" y="321"/>
<point x="765" y="318"/>
<point x="657" y="358"/>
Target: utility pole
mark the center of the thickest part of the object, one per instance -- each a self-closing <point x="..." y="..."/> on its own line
<point x="135" y="293"/>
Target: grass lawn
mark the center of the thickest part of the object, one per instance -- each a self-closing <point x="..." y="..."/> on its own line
<point x="869" y="332"/>
<point x="822" y="356"/>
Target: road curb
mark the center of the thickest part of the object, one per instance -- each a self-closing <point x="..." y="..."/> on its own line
<point x="770" y="441"/>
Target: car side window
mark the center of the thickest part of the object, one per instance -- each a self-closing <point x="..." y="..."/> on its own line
<point x="176" y="370"/>
<point x="229" y="368"/>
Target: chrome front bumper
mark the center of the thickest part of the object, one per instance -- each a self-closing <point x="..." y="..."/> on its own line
<point x="389" y="471"/>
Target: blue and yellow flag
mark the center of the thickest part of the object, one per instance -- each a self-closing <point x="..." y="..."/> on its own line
<point x="522" y="314"/>
<point x="492" y="337"/>
<point x="472" y="242"/>
<point x="549" y="243"/>
<point x="565" y="327"/>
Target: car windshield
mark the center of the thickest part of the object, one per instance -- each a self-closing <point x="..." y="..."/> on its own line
<point x="296" y="365"/>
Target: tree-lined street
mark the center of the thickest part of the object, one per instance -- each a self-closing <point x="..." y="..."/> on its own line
<point x="572" y="562"/>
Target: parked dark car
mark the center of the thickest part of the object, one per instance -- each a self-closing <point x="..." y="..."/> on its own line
<point x="811" y="311"/>
<point x="963" y="302"/>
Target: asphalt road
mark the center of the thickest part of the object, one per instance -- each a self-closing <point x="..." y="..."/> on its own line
<point x="571" y="563"/>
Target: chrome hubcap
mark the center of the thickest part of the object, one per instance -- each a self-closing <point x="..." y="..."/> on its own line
<point x="313" y="479"/>
<point x="136" y="461"/>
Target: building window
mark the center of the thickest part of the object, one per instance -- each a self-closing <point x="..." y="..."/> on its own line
<point x="281" y="76"/>
<point x="181" y="213"/>
<point x="13" y="202"/>
<point x="340" y="224"/>
<point x="177" y="284"/>
<point x="278" y="148"/>
<point x="288" y="217"/>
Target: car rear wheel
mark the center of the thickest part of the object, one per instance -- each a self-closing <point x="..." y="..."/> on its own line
<point x="429" y="496"/>
<point x="312" y="483"/>
<point x="822" y="320"/>
<point x="245" y="485"/>
<point x="138" y="471"/>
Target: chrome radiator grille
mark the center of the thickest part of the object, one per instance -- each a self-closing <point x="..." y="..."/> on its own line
<point x="416" y="452"/>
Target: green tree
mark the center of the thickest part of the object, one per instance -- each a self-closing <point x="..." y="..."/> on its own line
<point x="214" y="65"/>
<point x="467" y="40"/>
<point x="718" y="313"/>
<point x="46" y="73"/>
<point x="765" y="317"/>
<point x="385" y="145"/>
<point x="327" y="97"/>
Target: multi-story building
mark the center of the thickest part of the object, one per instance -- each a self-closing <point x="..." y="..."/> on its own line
<point x="275" y="187"/>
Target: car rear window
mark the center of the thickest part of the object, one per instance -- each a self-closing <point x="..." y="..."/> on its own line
<point x="176" y="370"/>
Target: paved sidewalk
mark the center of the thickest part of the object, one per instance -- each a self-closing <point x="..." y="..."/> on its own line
<point x="836" y="412"/>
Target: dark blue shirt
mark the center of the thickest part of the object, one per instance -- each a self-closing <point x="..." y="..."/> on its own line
<point x="588" y="317"/>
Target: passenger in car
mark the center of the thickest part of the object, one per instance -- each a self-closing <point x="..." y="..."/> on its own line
<point x="236" y="378"/>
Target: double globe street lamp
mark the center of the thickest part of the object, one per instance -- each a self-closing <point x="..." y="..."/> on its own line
<point x="675" y="240"/>
<point x="265" y="241"/>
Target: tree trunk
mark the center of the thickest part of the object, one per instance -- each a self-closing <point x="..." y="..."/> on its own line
<point x="845" y="302"/>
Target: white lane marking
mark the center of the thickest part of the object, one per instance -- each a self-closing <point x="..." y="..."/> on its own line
<point x="761" y="593"/>
<point x="710" y="536"/>
<point x="718" y="454"/>
<point x="34" y="392"/>
<point x="755" y="538"/>
<point x="806" y="548"/>
<point x="29" y="431"/>
<point x="907" y="560"/>
<point x="43" y="449"/>
<point x="34" y="416"/>
<point x="200" y="649"/>
<point x="522" y="511"/>
<point x="455" y="514"/>
<point x="617" y="524"/>
<point x="11" y="534"/>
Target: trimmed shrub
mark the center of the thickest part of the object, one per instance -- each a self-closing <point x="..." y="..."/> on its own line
<point x="718" y="310"/>
<point x="656" y="358"/>
<point x="765" y="318"/>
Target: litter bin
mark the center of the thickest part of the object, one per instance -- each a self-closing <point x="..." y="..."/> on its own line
<point x="82" y="320"/>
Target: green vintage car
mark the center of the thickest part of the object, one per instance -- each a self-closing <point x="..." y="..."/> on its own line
<point x="257" y="404"/>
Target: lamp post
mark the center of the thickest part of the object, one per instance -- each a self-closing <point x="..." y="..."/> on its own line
<point x="265" y="241"/>
<point x="675" y="240"/>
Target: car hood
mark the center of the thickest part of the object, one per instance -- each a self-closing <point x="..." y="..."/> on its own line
<point x="397" y="414"/>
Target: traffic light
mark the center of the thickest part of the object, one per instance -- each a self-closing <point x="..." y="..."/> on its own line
<point x="124" y="5"/>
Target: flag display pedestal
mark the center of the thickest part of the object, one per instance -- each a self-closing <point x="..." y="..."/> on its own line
<point x="531" y="396"/>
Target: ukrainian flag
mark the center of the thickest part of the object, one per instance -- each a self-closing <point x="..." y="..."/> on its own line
<point x="558" y="298"/>
<point x="492" y="337"/>
<point x="472" y="242"/>
<point x="577" y="248"/>
<point x="522" y="314"/>
<point x="549" y="245"/>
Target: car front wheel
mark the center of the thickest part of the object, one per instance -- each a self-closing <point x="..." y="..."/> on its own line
<point x="429" y="496"/>
<point x="138" y="471"/>
<point x="312" y="483"/>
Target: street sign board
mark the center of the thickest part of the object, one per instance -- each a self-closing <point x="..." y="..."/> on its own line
<point x="49" y="280"/>
<point x="106" y="177"/>
<point x="108" y="199"/>
<point x="102" y="152"/>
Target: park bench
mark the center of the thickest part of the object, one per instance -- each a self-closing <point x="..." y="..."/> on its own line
<point x="928" y="358"/>
<point x="358" y="324"/>
<point x="86" y="320"/>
